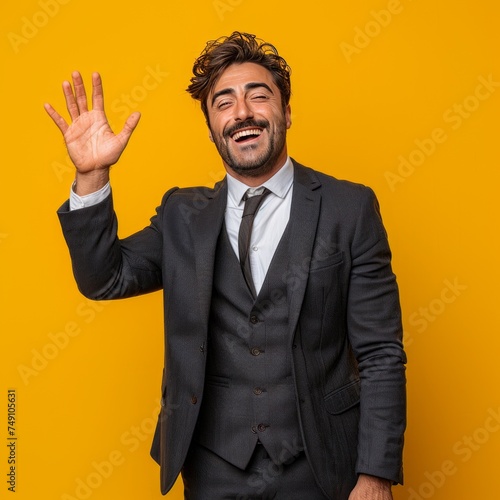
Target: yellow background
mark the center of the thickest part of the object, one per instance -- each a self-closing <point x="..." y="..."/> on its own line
<point x="359" y="103"/>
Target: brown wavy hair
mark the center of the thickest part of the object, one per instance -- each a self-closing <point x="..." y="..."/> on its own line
<point x="237" y="48"/>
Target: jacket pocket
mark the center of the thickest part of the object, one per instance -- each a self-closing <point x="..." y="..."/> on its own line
<point x="340" y="400"/>
<point x="328" y="261"/>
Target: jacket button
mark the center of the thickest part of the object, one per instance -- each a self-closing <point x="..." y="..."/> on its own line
<point x="254" y="429"/>
<point x="255" y="351"/>
<point x="261" y="427"/>
<point x="254" y="319"/>
<point x="257" y="391"/>
<point x="194" y="400"/>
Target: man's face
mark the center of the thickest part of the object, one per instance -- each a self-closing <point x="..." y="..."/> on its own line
<point x="247" y="121"/>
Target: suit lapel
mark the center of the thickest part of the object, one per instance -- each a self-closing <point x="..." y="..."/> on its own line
<point x="304" y="216"/>
<point x="205" y="230"/>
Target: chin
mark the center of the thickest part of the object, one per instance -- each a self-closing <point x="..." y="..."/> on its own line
<point x="252" y="170"/>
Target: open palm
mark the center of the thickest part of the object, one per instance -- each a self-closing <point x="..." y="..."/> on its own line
<point x="91" y="143"/>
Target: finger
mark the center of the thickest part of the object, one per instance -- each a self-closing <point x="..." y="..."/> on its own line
<point x="97" y="92"/>
<point x="129" y="127"/>
<point x="71" y="105"/>
<point x="81" y="96"/>
<point x="57" y="118"/>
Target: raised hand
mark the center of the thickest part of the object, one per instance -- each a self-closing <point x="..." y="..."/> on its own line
<point x="92" y="146"/>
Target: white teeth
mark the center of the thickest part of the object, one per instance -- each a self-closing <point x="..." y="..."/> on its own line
<point x="244" y="133"/>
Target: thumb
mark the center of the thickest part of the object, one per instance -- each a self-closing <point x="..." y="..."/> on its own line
<point x="129" y="126"/>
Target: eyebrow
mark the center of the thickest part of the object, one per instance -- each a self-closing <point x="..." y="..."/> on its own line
<point x="248" y="86"/>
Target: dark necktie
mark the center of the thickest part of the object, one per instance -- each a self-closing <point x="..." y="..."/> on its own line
<point x="252" y="204"/>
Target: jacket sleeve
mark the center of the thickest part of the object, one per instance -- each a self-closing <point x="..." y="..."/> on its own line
<point x="375" y="333"/>
<point x="104" y="266"/>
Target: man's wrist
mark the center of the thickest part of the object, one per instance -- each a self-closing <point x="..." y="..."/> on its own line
<point x="90" y="182"/>
<point x="378" y="482"/>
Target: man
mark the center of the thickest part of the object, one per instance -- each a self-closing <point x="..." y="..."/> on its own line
<point x="284" y="368"/>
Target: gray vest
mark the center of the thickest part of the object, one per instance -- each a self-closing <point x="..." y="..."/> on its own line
<point x="249" y="393"/>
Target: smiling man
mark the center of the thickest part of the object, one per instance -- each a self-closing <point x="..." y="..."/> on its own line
<point x="284" y="369"/>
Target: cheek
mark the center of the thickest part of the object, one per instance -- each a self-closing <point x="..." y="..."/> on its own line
<point x="214" y="120"/>
<point x="277" y="116"/>
<point x="218" y="124"/>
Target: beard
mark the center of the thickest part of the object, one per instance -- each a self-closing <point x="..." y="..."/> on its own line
<point x="245" y="161"/>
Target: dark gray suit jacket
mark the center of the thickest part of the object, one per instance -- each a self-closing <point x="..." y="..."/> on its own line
<point x="344" y="316"/>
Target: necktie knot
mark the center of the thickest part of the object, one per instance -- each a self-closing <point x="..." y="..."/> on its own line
<point x="253" y="200"/>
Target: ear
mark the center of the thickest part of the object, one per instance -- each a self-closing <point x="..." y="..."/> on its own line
<point x="288" y="116"/>
<point x="210" y="136"/>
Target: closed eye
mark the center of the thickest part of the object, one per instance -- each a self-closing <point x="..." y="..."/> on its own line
<point x="223" y="104"/>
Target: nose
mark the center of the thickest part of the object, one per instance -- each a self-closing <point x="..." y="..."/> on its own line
<point x="242" y="110"/>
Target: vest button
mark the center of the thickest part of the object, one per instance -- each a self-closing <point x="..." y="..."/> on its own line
<point x="257" y="391"/>
<point x="254" y="319"/>
<point x="254" y="429"/>
<point x="261" y="427"/>
<point x="255" y="351"/>
<point x="194" y="400"/>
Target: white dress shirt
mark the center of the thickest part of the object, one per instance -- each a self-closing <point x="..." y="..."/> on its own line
<point x="269" y="223"/>
<point x="270" y="220"/>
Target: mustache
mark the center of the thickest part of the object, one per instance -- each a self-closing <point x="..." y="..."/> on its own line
<point x="246" y="124"/>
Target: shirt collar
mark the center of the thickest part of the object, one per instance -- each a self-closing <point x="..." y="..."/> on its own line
<point x="279" y="184"/>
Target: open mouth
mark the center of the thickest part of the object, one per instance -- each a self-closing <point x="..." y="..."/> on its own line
<point x="246" y="135"/>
